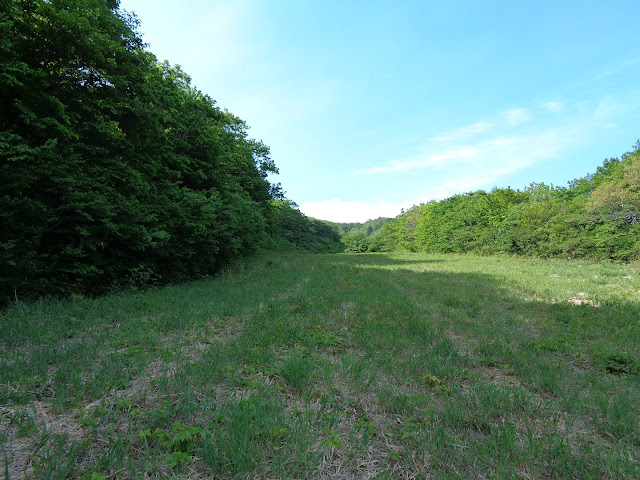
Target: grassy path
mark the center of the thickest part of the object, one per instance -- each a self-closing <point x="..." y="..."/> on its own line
<point x="333" y="366"/>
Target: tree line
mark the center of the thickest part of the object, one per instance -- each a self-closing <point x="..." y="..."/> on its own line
<point x="595" y="217"/>
<point x="115" y="170"/>
<point x="362" y="237"/>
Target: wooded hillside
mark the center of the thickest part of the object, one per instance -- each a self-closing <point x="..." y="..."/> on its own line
<point x="115" y="170"/>
<point x="597" y="217"/>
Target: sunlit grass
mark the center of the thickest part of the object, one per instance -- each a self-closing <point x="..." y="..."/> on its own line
<point x="321" y="366"/>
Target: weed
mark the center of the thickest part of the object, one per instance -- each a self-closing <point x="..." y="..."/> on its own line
<point x="298" y="370"/>
<point x="437" y="384"/>
<point x="620" y="364"/>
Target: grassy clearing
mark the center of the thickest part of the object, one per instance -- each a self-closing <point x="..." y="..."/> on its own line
<point x="333" y="366"/>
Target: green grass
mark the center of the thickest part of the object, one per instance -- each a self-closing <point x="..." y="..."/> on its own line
<point x="332" y="366"/>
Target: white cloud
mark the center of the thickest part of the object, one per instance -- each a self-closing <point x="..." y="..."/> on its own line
<point x="516" y="117"/>
<point x="553" y="107"/>
<point x="500" y="154"/>
<point x="430" y="160"/>
<point x="507" y="119"/>
<point x="506" y="145"/>
<point x="337" y="210"/>
<point x="462" y="133"/>
<point x="460" y="163"/>
<point x="618" y="68"/>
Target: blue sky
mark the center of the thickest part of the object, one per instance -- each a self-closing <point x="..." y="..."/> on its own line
<point x="373" y="106"/>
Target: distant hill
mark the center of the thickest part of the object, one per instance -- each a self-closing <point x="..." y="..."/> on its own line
<point x="362" y="237"/>
<point x="370" y="228"/>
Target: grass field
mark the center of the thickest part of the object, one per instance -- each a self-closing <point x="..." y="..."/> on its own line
<point x="333" y="366"/>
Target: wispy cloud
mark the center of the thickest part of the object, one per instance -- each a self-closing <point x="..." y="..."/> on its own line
<point x="618" y="68"/>
<point x="464" y="132"/>
<point x="553" y="107"/>
<point x="430" y="160"/>
<point x="516" y="116"/>
<point x="510" y="141"/>
<point x="517" y="139"/>
<point x="507" y="119"/>
<point x="499" y="154"/>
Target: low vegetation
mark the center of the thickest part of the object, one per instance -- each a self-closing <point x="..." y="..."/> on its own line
<point x="332" y="366"/>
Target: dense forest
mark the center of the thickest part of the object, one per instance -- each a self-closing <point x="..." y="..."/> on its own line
<point x="368" y="228"/>
<point x="115" y="170"/>
<point x="362" y="237"/>
<point x="292" y="230"/>
<point x="595" y="217"/>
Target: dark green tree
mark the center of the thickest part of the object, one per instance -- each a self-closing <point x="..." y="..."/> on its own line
<point x="115" y="169"/>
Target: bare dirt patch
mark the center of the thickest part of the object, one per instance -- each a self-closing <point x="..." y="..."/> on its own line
<point x="20" y="445"/>
<point x="582" y="298"/>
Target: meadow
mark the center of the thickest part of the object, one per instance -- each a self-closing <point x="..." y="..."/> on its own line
<point x="386" y="366"/>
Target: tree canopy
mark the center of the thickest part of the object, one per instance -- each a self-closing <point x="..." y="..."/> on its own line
<point x="116" y="170"/>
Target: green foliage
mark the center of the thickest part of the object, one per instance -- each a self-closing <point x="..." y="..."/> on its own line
<point x="292" y="230"/>
<point x="619" y="197"/>
<point x="437" y="384"/>
<point x="620" y="364"/>
<point x="368" y="228"/>
<point x="355" y="243"/>
<point x="116" y="171"/>
<point x="362" y="237"/>
<point x="399" y="233"/>
<point x="360" y="243"/>
<point x="594" y="217"/>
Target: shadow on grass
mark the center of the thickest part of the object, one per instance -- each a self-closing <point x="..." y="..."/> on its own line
<point x="482" y="306"/>
<point x="355" y="259"/>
